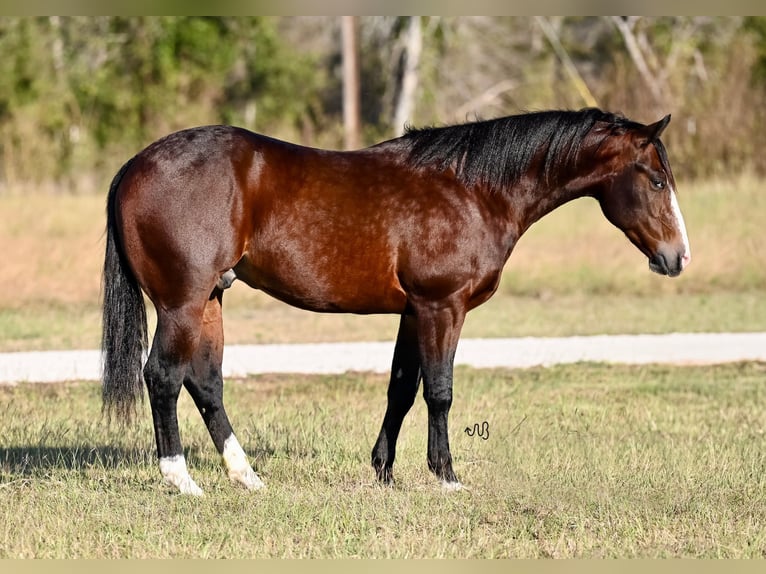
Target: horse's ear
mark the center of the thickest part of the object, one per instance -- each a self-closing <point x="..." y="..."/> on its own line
<point x="651" y="133"/>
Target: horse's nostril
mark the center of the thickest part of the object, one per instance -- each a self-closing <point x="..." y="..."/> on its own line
<point x="659" y="264"/>
<point x="663" y="263"/>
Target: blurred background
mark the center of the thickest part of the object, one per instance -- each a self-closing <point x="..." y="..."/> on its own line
<point x="81" y="95"/>
<point x="78" y="95"/>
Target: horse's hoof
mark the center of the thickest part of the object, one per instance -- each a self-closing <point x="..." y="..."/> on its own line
<point x="452" y="486"/>
<point x="248" y="479"/>
<point x="173" y="469"/>
<point x="190" y="488"/>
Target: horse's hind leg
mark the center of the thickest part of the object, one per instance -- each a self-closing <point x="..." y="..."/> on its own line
<point x="204" y="381"/>
<point x="174" y="344"/>
<point x="402" y="389"/>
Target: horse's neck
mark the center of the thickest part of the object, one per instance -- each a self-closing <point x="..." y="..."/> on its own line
<point x="532" y="201"/>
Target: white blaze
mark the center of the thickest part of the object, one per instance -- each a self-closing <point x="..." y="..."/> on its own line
<point x="173" y="469"/>
<point x="682" y="227"/>
<point x="237" y="465"/>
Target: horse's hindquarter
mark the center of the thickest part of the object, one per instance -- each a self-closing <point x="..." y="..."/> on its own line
<point x="361" y="232"/>
<point x="180" y="212"/>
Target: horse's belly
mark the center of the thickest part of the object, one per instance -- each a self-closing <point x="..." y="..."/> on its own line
<point x="328" y="288"/>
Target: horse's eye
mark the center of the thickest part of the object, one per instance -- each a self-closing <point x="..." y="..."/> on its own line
<point x="658" y="183"/>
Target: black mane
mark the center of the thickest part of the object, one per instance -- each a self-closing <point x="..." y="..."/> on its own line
<point x="496" y="153"/>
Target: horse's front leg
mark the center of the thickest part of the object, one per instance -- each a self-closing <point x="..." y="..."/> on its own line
<point x="402" y="390"/>
<point x="438" y="333"/>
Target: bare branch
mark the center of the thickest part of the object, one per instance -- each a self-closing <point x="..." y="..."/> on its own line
<point x="574" y="75"/>
<point x="484" y="99"/>
<point x="626" y="30"/>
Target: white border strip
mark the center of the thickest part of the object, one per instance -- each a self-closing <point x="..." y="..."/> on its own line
<point x="328" y="358"/>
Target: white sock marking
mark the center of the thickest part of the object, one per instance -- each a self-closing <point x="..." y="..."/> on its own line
<point x="237" y="465"/>
<point x="174" y="471"/>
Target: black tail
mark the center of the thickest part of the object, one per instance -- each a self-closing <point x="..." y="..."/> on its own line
<point x="124" y="334"/>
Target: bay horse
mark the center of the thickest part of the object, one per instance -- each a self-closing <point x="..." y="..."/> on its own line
<point x="421" y="226"/>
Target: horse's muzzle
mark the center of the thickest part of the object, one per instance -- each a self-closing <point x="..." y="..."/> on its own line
<point x="668" y="265"/>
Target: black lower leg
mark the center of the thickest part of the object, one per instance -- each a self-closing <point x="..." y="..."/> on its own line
<point x="208" y="396"/>
<point x="163" y="382"/>
<point x="438" y="396"/>
<point x="402" y="389"/>
<point x="174" y="343"/>
<point x="204" y="379"/>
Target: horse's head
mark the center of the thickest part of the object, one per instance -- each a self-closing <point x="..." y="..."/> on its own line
<point x="639" y="197"/>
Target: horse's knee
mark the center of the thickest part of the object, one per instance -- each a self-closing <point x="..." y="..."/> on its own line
<point x="163" y="382"/>
<point x="438" y="399"/>
<point x="437" y="387"/>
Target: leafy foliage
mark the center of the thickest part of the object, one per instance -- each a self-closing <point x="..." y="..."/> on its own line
<point x="114" y="84"/>
<point x="756" y="25"/>
<point x="78" y="95"/>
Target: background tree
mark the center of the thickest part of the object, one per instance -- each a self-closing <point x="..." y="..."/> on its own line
<point x="78" y="95"/>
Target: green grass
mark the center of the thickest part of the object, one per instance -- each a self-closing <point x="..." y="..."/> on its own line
<point x="582" y="461"/>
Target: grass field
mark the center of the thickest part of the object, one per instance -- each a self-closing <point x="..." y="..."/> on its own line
<point x="581" y="461"/>
<point x="572" y="273"/>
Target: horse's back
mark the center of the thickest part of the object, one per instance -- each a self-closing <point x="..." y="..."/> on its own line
<point x="322" y="230"/>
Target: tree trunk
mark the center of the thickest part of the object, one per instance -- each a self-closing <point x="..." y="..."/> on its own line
<point x="405" y="104"/>
<point x="351" y="115"/>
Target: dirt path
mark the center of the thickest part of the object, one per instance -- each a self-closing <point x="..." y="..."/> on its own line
<point x="241" y="360"/>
